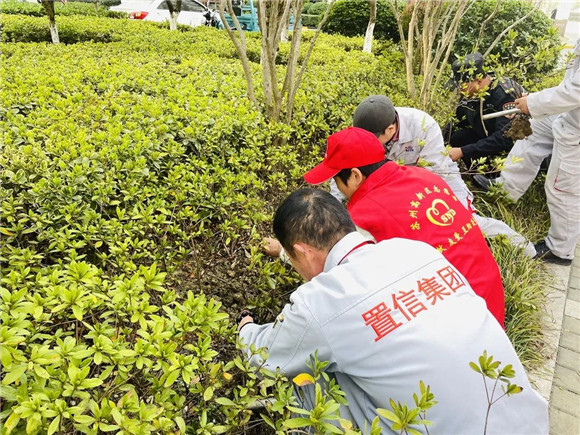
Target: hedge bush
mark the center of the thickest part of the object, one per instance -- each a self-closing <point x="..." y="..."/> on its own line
<point x="136" y="183"/>
<point x="318" y="8"/>
<point x="350" y="18"/>
<point x="532" y="47"/>
<point x="70" y="8"/>
<point x="71" y="29"/>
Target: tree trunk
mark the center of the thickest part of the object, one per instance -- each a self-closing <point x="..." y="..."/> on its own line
<point x="173" y="20"/>
<point x="174" y="10"/>
<point x="49" y="9"/>
<point x="284" y="35"/>
<point x="368" y="45"/>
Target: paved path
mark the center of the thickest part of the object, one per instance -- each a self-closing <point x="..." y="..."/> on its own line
<point x="565" y="397"/>
<point x="559" y="380"/>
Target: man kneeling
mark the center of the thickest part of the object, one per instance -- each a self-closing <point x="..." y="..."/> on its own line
<point x="386" y="316"/>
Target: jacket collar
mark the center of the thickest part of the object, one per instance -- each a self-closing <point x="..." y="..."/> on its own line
<point x="388" y="170"/>
<point x="342" y="248"/>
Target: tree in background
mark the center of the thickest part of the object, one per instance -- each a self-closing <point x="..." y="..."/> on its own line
<point x="48" y="6"/>
<point x="174" y="7"/>
<point x="431" y="27"/>
<point x="368" y="45"/>
<point x="273" y="18"/>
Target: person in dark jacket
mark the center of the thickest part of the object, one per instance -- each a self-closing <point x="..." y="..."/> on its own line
<point x="482" y="93"/>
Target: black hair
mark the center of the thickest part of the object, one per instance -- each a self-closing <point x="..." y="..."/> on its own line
<point x="367" y="170"/>
<point x="311" y="216"/>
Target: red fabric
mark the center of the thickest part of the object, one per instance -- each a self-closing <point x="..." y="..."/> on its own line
<point x="349" y="148"/>
<point x="413" y="203"/>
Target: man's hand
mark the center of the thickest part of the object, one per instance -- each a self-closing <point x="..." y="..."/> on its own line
<point x="522" y="104"/>
<point x="271" y="246"/>
<point x="245" y="317"/>
<point x="455" y="154"/>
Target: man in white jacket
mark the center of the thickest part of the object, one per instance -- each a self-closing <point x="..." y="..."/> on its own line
<point x="386" y="316"/>
<point x="525" y="158"/>
<point x="563" y="178"/>
<point x="413" y="138"/>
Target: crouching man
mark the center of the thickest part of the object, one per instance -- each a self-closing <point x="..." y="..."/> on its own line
<point x="386" y="316"/>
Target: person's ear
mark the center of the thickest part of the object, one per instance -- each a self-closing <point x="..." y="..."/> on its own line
<point x="356" y="178"/>
<point x="300" y="248"/>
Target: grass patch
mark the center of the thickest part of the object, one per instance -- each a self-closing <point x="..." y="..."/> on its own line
<point x="525" y="280"/>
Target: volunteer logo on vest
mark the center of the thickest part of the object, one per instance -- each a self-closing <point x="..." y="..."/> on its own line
<point x="440" y="213"/>
<point x="437" y="205"/>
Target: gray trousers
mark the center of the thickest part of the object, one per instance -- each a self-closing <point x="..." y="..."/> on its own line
<point x="524" y="160"/>
<point x="563" y="189"/>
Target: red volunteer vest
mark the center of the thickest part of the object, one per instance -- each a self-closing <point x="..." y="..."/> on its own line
<point x="413" y="203"/>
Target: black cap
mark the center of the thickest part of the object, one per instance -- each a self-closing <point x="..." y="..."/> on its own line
<point x="374" y="114"/>
<point x="467" y="69"/>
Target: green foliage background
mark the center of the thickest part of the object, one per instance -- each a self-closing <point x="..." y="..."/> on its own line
<point x="534" y="42"/>
<point x="137" y="181"/>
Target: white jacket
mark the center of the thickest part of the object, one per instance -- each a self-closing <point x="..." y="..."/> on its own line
<point x="420" y="143"/>
<point x="388" y="316"/>
<point x="564" y="98"/>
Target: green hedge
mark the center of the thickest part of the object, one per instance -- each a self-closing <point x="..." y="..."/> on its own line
<point x="350" y="18"/>
<point x="533" y="45"/>
<point x="311" y="21"/>
<point x="71" y="29"/>
<point x="70" y="8"/>
<point x="136" y="183"/>
<point x="318" y="8"/>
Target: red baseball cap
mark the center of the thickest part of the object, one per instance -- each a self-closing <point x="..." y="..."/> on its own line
<point x="350" y="148"/>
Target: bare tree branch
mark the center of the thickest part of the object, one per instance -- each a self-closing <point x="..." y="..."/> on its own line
<point x="296" y="85"/>
<point x="511" y="26"/>
<point x="482" y="28"/>
<point x="240" y="47"/>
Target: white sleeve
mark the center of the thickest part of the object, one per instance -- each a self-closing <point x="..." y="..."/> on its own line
<point x="432" y="154"/>
<point x="559" y="99"/>
<point x="290" y="340"/>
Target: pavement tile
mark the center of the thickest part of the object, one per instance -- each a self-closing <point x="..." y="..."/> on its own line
<point x="568" y="380"/>
<point x="566" y="401"/>
<point x="572" y="309"/>
<point x="570" y="341"/>
<point x="570" y="324"/>
<point x="565" y="396"/>
<point x="568" y="358"/>
<point x="563" y="423"/>
<point x="574" y="293"/>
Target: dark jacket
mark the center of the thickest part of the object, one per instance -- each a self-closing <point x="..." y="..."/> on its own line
<point x="501" y="96"/>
